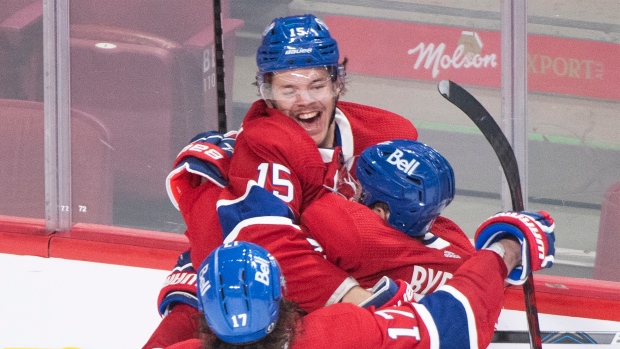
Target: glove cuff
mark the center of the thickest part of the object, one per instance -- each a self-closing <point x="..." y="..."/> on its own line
<point x="388" y="292"/>
<point x="497" y="248"/>
<point x="174" y="298"/>
<point x="488" y="235"/>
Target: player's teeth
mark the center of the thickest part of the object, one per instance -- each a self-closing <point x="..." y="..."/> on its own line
<point x="307" y="116"/>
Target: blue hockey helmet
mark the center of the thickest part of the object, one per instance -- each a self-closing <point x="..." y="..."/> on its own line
<point x="296" y="42"/>
<point x="239" y="292"/>
<point x="413" y="179"/>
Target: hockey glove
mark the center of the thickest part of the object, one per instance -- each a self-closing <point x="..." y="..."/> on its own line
<point x="535" y="232"/>
<point x="179" y="286"/>
<point x="387" y="293"/>
<point x="206" y="157"/>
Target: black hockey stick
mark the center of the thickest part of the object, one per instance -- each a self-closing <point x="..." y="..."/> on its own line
<point x="493" y="133"/>
<point x="560" y="337"/>
<point x="219" y="67"/>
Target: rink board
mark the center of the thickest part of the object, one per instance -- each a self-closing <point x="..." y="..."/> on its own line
<point x="97" y="288"/>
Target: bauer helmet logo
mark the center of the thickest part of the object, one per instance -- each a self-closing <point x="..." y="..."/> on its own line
<point x="294" y="51"/>
<point x="402" y="164"/>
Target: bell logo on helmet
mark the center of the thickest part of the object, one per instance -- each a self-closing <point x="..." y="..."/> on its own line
<point x="262" y="270"/>
<point x="402" y="164"/>
<point x="205" y="285"/>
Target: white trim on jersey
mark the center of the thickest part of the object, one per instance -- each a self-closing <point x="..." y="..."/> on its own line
<point x="438" y="243"/>
<point x="346" y="137"/>
<point x="224" y="202"/>
<point x="344" y="287"/>
<point x="264" y="220"/>
<point x="326" y="155"/>
<point x="429" y="322"/>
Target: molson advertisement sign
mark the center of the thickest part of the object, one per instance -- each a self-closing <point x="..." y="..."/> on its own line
<point x="471" y="56"/>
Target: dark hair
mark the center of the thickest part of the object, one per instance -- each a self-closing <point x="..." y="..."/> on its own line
<point x="380" y="204"/>
<point x="284" y="332"/>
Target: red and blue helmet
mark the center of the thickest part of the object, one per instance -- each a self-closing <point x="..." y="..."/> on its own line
<point x="413" y="179"/>
<point x="296" y="42"/>
<point x="239" y="292"/>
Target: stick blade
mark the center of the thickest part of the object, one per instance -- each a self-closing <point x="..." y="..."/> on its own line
<point x="444" y="88"/>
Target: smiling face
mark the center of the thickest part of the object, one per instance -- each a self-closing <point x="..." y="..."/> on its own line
<point x="309" y="97"/>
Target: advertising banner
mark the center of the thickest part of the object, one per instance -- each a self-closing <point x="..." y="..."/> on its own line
<point x="470" y="56"/>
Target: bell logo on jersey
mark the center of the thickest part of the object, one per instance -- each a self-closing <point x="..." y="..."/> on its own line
<point x="402" y="164"/>
<point x="262" y="270"/>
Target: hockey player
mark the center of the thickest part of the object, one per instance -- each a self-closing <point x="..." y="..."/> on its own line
<point x="241" y="287"/>
<point x="408" y="184"/>
<point x="291" y="140"/>
<point x="297" y="143"/>
<point x="337" y="225"/>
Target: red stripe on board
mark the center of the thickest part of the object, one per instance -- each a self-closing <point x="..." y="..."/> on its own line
<point x="24" y="244"/>
<point x="113" y="253"/>
<point x="23" y="236"/>
<point x="587" y="298"/>
<point x="91" y="242"/>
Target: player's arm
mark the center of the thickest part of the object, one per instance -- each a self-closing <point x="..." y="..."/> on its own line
<point x="466" y="309"/>
<point x="205" y="159"/>
<point x="510" y="246"/>
<point x="272" y="180"/>
<point x="178" y="305"/>
<point x="261" y="217"/>
<point x="199" y="172"/>
<point x="265" y="170"/>
<point x="460" y="314"/>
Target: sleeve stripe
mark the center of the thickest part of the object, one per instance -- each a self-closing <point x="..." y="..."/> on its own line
<point x="183" y="267"/>
<point x="264" y="220"/>
<point x="344" y="287"/>
<point x="255" y="206"/>
<point x="429" y="322"/>
<point x="471" y="318"/>
<point x="223" y="202"/>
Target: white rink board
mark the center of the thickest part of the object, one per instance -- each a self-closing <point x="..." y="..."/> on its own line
<point x="512" y="320"/>
<point x="56" y="303"/>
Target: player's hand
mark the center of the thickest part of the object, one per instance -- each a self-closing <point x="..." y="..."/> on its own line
<point x="388" y="293"/>
<point x="206" y="158"/>
<point x="535" y="232"/>
<point x="179" y="286"/>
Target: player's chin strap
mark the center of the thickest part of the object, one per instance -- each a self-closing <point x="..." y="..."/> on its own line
<point x="387" y="292"/>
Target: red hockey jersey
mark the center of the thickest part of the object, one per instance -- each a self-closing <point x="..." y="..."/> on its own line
<point x="460" y="314"/>
<point x="362" y="244"/>
<point x="275" y="158"/>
